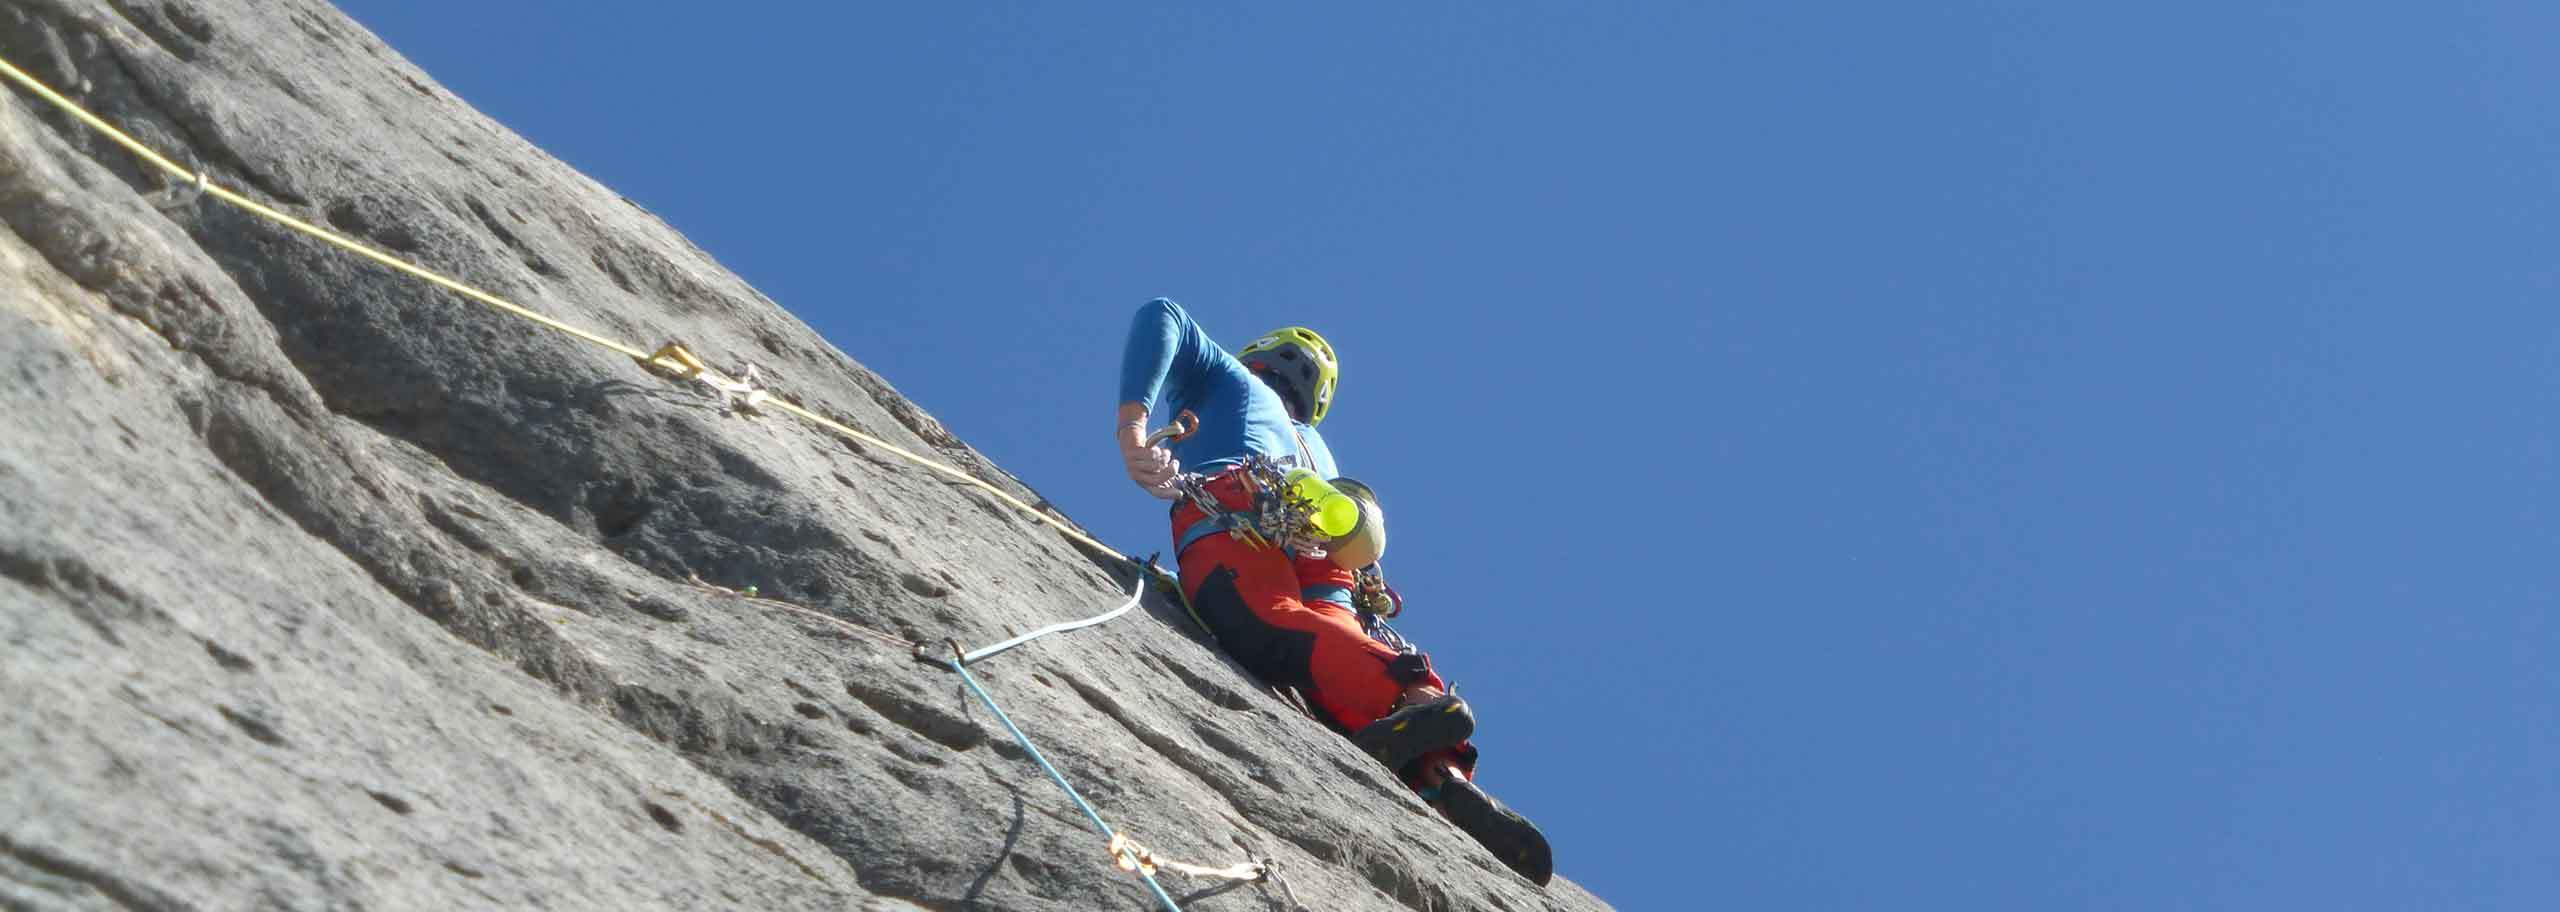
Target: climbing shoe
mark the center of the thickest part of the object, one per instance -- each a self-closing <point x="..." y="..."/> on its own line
<point x="1417" y="729"/>
<point x="1499" y="829"/>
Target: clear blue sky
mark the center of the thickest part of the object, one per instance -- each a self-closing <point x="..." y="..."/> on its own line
<point x="1990" y="456"/>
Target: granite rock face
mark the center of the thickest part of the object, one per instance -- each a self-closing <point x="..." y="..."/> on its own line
<point x="321" y="588"/>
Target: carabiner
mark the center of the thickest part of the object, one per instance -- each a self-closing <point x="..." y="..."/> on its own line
<point x="1184" y="425"/>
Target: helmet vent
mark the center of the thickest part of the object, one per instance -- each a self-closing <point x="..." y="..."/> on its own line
<point x="1300" y="366"/>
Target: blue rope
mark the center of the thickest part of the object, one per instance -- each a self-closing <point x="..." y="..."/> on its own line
<point x="1036" y="757"/>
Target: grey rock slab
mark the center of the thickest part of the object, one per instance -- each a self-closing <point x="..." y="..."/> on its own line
<point x="321" y="587"/>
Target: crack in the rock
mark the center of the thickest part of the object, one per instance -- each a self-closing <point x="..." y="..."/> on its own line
<point x="769" y="845"/>
<point x="129" y="894"/>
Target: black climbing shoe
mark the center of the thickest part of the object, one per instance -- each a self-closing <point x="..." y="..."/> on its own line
<point x="1501" y="830"/>
<point x="1417" y="729"/>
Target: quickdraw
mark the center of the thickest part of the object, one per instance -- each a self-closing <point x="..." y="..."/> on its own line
<point x="1274" y="519"/>
<point x="1370" y="593"/>
<point x="745" y="394"/>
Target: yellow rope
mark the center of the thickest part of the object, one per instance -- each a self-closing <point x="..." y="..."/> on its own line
<point x="811" y="613"/>
<point x="659" y="359"/>
<point x="672" y="359"/>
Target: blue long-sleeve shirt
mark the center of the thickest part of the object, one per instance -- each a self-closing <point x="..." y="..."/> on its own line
<point x="1171" y="362"/>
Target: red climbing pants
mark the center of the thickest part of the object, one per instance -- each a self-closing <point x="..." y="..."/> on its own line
<point x="1250" y="596"/>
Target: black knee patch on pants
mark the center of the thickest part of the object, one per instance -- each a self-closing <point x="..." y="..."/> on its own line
<point x="1409" y="668"/>
<point x="1274" y="654"/>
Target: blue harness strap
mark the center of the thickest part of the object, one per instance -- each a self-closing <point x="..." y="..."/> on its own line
<point x="1208" y="526"/>
<point x="1339" y="595"/>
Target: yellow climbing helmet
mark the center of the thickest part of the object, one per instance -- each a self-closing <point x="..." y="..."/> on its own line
<point x="1303" y="362"/>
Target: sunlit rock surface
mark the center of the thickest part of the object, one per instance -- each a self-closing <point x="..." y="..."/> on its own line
<point x="322" y="588"/>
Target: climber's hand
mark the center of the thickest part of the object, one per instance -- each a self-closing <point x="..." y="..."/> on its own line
<point x="1152" y="467"/>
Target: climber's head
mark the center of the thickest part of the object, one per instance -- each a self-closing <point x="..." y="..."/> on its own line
<point x="1298" y="365"/>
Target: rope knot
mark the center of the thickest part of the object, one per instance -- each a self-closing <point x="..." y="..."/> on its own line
<point x="1131" y="856"/>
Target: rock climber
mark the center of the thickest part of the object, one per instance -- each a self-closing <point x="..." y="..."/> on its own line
<point x="1275" y="598"/>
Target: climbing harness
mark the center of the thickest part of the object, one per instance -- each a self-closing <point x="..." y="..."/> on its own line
<point x="1339" y="595"/>
<point x="1291" y="506"/>
<point x="741" y="392"/>
<point x="1369" y="596"/>
<point x="1285" y="506"/>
